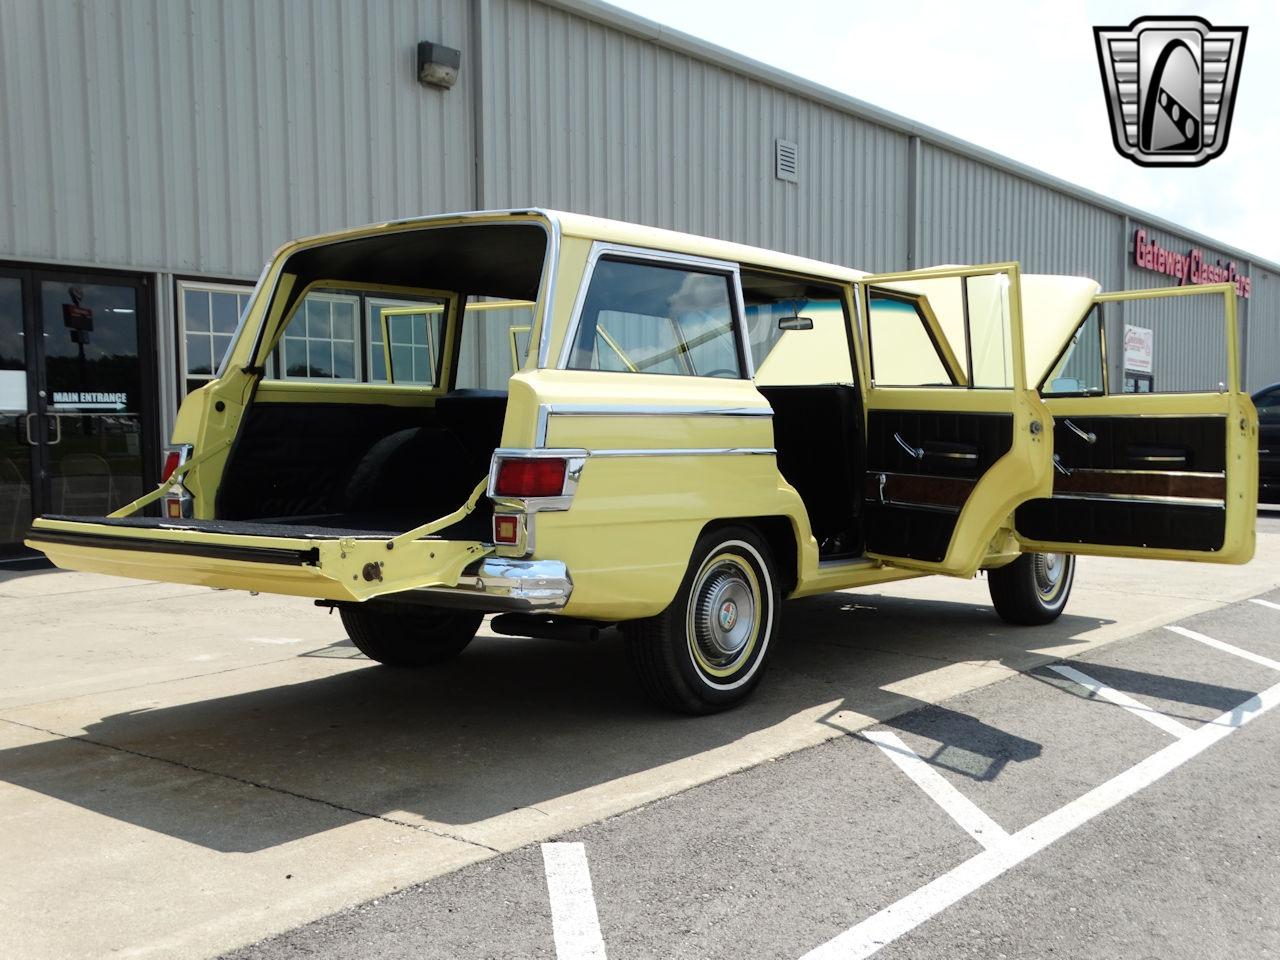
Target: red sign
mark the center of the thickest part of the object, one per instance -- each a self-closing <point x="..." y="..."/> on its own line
<point x="1189" y="267"/>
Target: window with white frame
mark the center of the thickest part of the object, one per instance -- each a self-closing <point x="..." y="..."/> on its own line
<point x="417" y="332"/>
<point x="320" y="341"/>
<point x="208" y="314"/>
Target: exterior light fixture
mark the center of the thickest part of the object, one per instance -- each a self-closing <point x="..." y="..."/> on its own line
<point x="438" y="65"/>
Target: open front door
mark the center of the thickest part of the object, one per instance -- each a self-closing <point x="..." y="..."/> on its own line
<point x="955" y="438"/>
<point x="1168" y="475"/>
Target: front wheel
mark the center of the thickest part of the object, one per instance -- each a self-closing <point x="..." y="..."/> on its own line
<point x="1033" y="590"/>
<point x="403" y="635"/>
<point x="706" y="651"/>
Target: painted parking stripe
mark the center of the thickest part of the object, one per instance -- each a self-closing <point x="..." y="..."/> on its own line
<point x="1227" y="647"/>
<point x="1136" y="707"/>
<point x="960" y="808"/>
<point x="1264" y="603"/>
<point x="574" y="922"/>
<point x="869" y="936"/>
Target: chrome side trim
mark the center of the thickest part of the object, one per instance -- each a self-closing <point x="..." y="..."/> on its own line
<point x="687" y="452"/>
<point x="1140" y="498"/>
<point x="648" y="410"/>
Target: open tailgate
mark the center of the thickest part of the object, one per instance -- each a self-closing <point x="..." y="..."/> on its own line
<point x="326" y="567"/>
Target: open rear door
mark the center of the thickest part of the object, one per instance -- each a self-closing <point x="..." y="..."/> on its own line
<point x="956" y="439"/>
<point x="1168" y="475"/>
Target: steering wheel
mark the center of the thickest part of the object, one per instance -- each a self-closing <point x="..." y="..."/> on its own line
<point x="722" y="371"/>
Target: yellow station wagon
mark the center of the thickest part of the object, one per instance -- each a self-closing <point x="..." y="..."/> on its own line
<point x="694" y="431"/>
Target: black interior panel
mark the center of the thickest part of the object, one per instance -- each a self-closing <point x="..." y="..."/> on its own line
<point x="1125" y="523"/>
<point x="818" y="433"/>
<point x="1080" y="512"/>
<point x="956" y="446"/>
<point x="1122" y="442"/>
<point x="360" y="466"/>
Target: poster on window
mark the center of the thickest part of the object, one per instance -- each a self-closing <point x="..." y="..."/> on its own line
<point x="1139" y="349"/>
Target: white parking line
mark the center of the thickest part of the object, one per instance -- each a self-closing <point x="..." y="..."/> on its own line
<point x="961" y="809"/>
<point x="1137" y="708"/>
<point x="865" y="938"/>
<point x="1227" y="647"/>
<point x="574" y="922"/>
<point x="1264" y="603"/>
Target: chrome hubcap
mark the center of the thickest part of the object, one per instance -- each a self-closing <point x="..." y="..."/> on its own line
<point x="724" y="615"/>
<point x="1049" y="568"/>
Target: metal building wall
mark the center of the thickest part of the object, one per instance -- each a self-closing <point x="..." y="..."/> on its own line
<point x="1263" y="364"/>
<point x="971" y="212"/>
<point x="196" y="137"/>
<point x="578" y="115"/>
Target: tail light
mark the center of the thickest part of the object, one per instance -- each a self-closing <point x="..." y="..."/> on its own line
<point x="177" y="504"/>
<point x="530" y="477"/>
<point x="172" y="460"/>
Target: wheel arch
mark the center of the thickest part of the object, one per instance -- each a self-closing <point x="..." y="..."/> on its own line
<point x="779" y="533"/>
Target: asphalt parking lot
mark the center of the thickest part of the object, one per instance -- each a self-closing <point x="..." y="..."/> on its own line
<point x="185" y="773"/>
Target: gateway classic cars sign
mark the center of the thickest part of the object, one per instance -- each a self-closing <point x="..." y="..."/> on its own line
<point x="1189" y="267"/>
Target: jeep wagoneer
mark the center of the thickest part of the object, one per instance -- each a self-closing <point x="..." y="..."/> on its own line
<point x="682" y="434"/>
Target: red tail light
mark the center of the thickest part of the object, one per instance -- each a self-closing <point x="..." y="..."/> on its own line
<point x="530" y="477"/>
<point x="171" y="461"/>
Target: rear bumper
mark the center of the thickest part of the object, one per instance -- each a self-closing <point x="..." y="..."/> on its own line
<point x="501" y="585"/>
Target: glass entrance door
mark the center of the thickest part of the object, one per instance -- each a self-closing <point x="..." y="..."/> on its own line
<point x="17" y="419"/>
<point x="77" y="397"/>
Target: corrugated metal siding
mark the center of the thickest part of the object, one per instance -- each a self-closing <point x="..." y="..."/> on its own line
<point x="1263" y="367"/>
<point x="198" y="136"/>
<point x="974" y="213"/>
<point x="584" y="117"/>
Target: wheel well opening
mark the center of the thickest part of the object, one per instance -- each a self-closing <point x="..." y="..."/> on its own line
<point x="781" y="538"/>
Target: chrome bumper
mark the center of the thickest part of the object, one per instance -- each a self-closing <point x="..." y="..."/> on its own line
<point x="499" y="585"/>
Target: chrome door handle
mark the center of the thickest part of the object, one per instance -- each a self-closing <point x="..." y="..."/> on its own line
<point x="1057" y="465"/>
<point x="916" y="452"/>
<point x="1086" y="437"/>
<point x="58" y="420"/>
<point x="27" y="420"/>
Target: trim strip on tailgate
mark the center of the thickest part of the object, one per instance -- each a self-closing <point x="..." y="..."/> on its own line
<point x="218" y="551"/>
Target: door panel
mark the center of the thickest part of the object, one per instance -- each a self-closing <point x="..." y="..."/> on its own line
<point x="913" y="513"/>
<point x="948" y="464"/>
<point x="1152" y="475"/>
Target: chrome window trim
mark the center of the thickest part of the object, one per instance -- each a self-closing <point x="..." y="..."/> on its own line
<point x="1149" y="473"/>
<point x="729" y="268"/>
<point x="549" y="269"/>
<point x="548" y="410"/>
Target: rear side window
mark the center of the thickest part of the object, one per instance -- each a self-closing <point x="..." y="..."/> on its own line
<point x="648" y="318"/>
<point x="903" y="351"/>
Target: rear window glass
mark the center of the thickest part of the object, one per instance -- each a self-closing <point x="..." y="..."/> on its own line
<point x="646" y="318"/>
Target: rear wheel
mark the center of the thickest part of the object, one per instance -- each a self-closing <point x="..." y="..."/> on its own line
<point x="399" y="635"/>
<point x="706" y="651"/>
<point x="1032" y="590"/>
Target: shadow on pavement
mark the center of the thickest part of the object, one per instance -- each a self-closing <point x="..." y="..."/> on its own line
<point x="509" y="724"/>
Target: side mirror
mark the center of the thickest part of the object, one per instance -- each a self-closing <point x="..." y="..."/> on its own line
<point x="795" y="323"/>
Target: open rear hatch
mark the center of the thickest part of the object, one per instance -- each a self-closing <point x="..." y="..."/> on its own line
<point x="323" y="563"/>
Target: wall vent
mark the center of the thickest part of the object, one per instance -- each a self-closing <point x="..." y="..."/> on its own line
<point x="786" y="160"/>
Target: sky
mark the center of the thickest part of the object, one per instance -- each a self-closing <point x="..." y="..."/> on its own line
<point x="1021" y="78"/>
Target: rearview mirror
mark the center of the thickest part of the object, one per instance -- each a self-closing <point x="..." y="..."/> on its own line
<point x="795" y="323"/>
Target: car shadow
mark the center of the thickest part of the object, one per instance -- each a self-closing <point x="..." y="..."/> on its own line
<point x="508" y="725"/>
